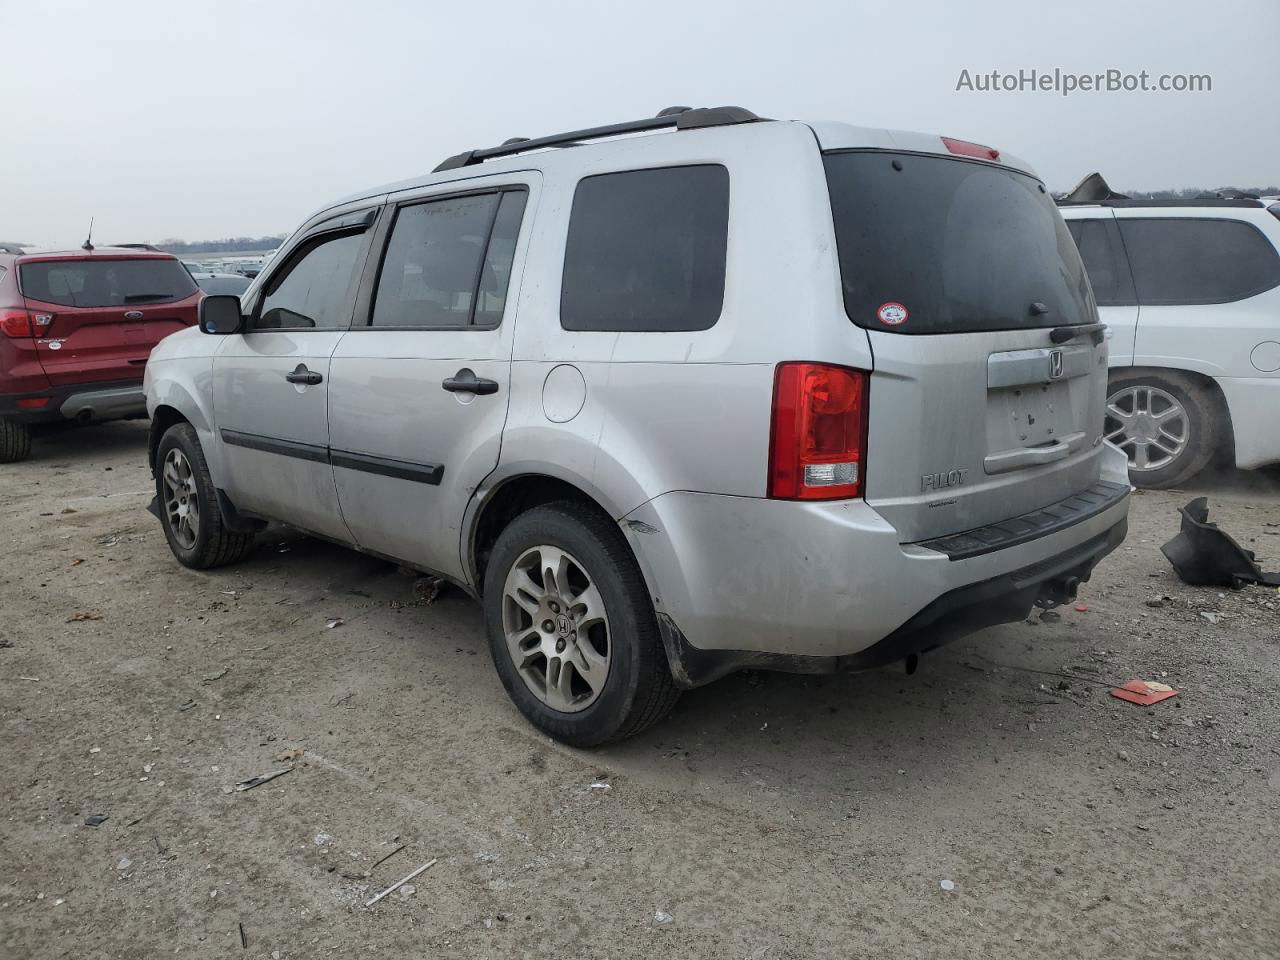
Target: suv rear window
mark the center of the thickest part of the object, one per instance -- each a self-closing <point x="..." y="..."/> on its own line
<point x="106" y="283"/>
<point x="646" y="250"/>
<point x="962" y="245"/>
<point x="1198" y="261"/>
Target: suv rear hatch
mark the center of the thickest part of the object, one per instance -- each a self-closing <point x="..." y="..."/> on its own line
<point x="97" y="317"/>
<point x="959" y="270"/>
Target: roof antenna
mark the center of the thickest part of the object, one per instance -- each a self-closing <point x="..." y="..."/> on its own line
<point x="88" y="241"/>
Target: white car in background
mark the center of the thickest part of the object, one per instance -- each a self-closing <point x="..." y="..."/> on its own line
<point x="1190" y="290"/>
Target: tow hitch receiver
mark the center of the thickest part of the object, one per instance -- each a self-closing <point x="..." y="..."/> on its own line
<point x="1057" y="591"/>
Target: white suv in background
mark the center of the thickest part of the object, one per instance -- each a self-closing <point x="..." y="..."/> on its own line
<point x="1190" y="290"/>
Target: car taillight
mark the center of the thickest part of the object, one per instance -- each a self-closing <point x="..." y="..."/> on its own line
<point x="16" y="323"/>
<point x="817" y="450"/>
<point x="964" y="148"/>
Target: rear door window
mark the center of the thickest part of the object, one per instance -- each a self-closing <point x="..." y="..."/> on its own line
<point x="1104" y="260"/>
<point x="495" y="275"/>
<point x="1177" y="261"/>
<point x="448" y="262"/>
<point x="940" y="245"/>
<point x="646" y="250"/>
<point x="106" y="283"/>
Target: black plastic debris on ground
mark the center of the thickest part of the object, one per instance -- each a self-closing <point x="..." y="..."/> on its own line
<point x="1204" y="556"/>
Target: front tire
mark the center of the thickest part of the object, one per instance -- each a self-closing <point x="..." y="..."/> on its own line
<point x="15" y="441"/>
<point x="1168" y="425"/>
<point x="189" y="504"/>
<point x="572" y="629"/>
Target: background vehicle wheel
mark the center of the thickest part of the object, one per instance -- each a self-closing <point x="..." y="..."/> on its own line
<point x="572" y="628"/>
<point x="189" y="504"/>
<point x="15" y="441"/>
<point x="1169" y="426"/>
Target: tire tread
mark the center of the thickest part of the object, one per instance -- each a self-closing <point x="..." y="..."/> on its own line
<point x="15" y="441"/>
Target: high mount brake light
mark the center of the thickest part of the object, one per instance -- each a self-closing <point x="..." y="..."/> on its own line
<point x="964" y="148"/>
<point x="817" y="448"/>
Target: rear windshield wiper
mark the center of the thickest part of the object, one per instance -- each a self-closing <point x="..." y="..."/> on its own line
<point x="1066" y="334"/>
<point x="144" y="297"/>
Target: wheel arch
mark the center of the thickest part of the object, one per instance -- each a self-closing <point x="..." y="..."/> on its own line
<point x="504" y="500"/>
<point x="162" y="418"/>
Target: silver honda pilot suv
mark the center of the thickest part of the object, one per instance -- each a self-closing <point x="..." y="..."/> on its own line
<point x="672" y="398"/>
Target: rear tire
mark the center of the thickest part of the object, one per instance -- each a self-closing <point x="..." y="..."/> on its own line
<point x="595" y="610"/>
<point x="1169" y="426"/>
<point x="15" y="441"/>
<point x="188" y="503"/>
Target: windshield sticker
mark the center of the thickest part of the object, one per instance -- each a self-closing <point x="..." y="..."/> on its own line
<point x="892" y="313"/>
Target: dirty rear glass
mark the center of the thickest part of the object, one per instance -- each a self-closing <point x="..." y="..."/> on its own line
<point x="106" y="283"/>
<point x="936" y="245"/>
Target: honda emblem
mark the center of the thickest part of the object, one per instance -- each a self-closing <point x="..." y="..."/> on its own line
<point x="1055" y="364"/>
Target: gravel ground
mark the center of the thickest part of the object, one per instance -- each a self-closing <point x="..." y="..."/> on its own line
<point x="986" y="806"/>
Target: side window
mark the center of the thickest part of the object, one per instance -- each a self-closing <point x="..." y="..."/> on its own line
<point x="495" y="277"/>
<point x="646" y="250"/>
<point x="1103" y="261"/>
<point x="1198" y="261"/>
<point x="449" y="261"/>
<point x="312" y="292"/>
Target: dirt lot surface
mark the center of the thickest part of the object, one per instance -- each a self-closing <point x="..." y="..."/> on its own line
<point x="770" y="817"/>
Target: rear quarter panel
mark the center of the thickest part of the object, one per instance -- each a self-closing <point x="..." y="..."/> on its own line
<point x="684" y="410"/>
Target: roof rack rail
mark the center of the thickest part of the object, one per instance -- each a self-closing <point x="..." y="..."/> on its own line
<point x="681" y="118"/>
<point x="1227" y="193"/>
<point x="1094" y="191"/>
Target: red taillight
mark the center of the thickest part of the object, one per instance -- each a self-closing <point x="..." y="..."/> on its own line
<point x="33" y="403"/>
<point x="966" y="149"/>
<point x="817" y="450"/>
<point x="15" y="323"/>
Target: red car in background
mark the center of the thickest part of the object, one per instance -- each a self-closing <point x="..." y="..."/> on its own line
<point x="76" y="328"/>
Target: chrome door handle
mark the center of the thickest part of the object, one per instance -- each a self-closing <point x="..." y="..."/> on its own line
<point x="465" y="381"/>
<point x="302" y="375"/>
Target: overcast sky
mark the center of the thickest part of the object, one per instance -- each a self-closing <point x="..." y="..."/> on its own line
<point x="172" y="118"/>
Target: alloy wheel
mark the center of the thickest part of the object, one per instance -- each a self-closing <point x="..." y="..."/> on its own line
<point x="1149" y="424"/>
<point x="181" y="502"/>
<point x="556" y="627"/>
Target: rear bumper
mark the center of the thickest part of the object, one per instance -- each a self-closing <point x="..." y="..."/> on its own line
<point x="820" y="587"/>
<point x="113" y="400"/>
<point x="955" y="614"/>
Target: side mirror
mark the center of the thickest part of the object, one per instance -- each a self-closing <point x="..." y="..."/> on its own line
<point x="220" y="314"/>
